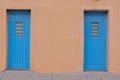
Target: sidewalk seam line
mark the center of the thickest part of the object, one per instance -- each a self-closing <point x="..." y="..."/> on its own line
<point x="2" y="75"/>
<point x="51" y="76"/>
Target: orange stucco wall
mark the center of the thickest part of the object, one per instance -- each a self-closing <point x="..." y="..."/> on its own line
<point x="57" y="33"/>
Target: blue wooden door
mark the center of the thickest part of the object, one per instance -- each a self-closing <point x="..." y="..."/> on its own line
<point x="18" y="39"/>
<point x="95" y="24"/>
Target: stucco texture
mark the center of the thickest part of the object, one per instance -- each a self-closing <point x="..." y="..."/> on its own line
<point x="57" y="33"/>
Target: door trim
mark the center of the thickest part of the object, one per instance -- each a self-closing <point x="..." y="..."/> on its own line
<point x="109" y="11"/>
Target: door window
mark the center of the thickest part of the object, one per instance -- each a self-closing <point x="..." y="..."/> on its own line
<point x="94" y="29"/>
<point x="19" y="28"/>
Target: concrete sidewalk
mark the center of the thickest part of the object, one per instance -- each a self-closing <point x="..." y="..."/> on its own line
<point x="27" y="75"/>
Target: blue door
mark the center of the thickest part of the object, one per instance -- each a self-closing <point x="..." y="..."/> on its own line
<point x="95" y="24"/>
<point x="19" y="39"/>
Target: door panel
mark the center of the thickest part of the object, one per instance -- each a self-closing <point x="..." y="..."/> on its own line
<point x="95" y="41"/>
<point x="18" y="39"/>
